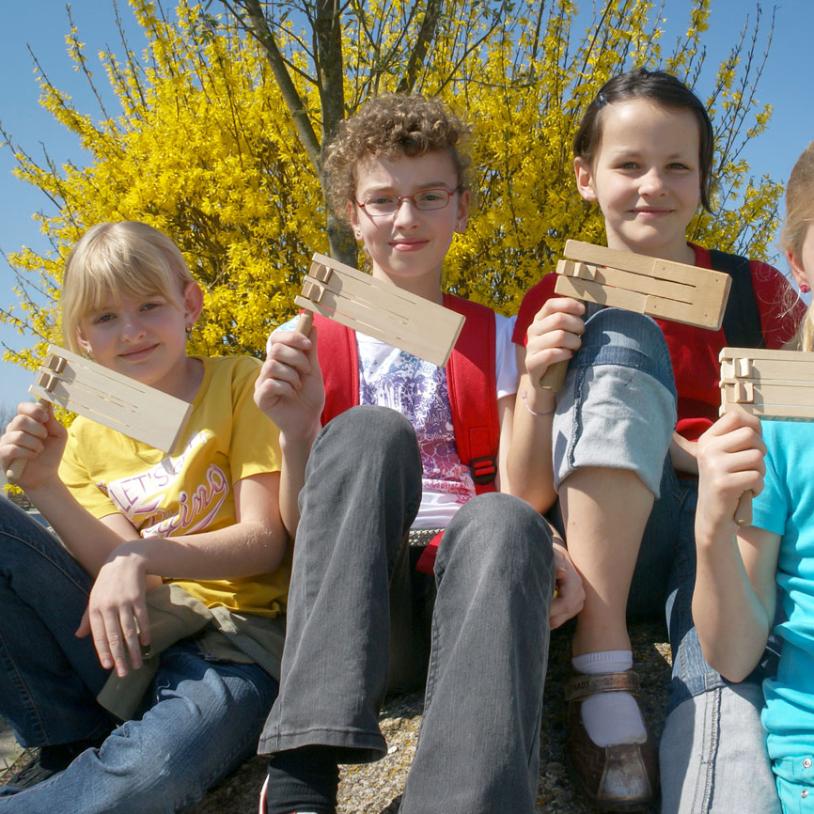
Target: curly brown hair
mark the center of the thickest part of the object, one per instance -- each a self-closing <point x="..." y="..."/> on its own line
<point x="390" y="125"/>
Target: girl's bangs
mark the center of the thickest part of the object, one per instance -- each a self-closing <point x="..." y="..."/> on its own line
<point x="111" y="279"/>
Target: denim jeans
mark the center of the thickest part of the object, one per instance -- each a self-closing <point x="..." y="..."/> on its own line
<point x="478" y="749"/>
<point x="200" y="720"/>
<point x="617" y="410"/>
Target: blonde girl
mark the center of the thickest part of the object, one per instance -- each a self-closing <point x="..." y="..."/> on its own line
<point x="745" y="573"/>
<point x="156" y="556"/>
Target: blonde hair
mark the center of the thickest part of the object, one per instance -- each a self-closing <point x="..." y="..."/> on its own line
<point x="114" y="259"/>
<point x="799" y="215"/>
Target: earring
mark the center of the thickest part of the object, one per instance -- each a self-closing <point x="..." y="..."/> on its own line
<point x="805" y="288"/>
<point x="188" y="330"/>
<point x="357" y="233"/>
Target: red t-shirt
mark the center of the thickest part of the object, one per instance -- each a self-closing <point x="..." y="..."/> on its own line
<point x="694" y="351"/>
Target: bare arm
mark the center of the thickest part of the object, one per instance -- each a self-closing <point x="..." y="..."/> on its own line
<point x="117" y="612"/>
<point x="553" y="336"/>
<point x="505" y="415"/>
<point x="683" y="454"/>
<point x="531" y="476"/>
<point x="208" y="555"/>
<point x="289" y="390"/>
<point x="254" y="544"/>
<point x="734" y="596"/>
<point x="35" y="436"/>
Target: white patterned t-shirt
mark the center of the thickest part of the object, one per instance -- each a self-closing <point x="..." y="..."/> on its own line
<point x="417" y="389"/>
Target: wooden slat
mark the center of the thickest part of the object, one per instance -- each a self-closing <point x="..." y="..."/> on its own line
<point x="704" y="292"/>
<point x="690" y="314"/>
<point x="358" y="283"/>
<point x="767" y="383"/>
<point x="771" y="384"/>
<point x="770" y="402"/>
<point x="124" y="404"/>
<point x="636" y="263"/>
<point x="647" y="285"/>
<point x="615" y="278"/>
<point x="381" y="310"/>
<point x="361" y="292"/>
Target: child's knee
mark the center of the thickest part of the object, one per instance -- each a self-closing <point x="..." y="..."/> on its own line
<point x="497" y="525"/>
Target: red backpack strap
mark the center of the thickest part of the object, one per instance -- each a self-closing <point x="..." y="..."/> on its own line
<point x="472" y="387"/>
<point x="425" y="564"/>
<point x="339" y="361"/>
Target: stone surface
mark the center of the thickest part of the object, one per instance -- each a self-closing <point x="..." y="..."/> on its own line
<point x="375" y="788"/>
<point x="9" y="749"/>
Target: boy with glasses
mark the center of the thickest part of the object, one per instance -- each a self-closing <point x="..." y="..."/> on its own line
<point x="395" y="171"/>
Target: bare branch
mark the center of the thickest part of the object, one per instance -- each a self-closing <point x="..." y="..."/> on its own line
<point x="258" y="27"/>
<point x="425" y="37"/>
<point x="78" y="53"/>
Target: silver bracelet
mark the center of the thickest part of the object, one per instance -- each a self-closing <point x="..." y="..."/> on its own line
<point x="525" y="399"/>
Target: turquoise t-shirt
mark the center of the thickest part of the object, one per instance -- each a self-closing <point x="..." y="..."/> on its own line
<point x="786" y="507"/>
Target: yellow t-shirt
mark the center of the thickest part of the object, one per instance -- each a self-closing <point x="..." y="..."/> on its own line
<point x="225" y="438"/>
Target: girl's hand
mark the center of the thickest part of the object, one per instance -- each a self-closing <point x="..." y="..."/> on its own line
<point x="117" y="611"/>
<point x="36" y="437"/>
<point x="289" y="389"/>
<point x="554" y="335"/>
<point x="684" y="454"/>
<point x="570" y="595"/>
<point x="730" y="462"/>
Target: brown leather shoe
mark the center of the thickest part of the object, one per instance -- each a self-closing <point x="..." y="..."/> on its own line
<point x="622" y="777"/>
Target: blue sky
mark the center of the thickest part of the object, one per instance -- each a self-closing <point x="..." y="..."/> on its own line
<point x="42" y="24"/>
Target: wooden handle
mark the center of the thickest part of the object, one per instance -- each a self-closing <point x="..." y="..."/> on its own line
<point x="15" y="470"/>
<point x="743" y="514"/>
<point x="304" y="323"/>
<point x="554" y="377"/>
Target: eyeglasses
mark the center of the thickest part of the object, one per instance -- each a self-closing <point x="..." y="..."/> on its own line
<point x="381" y="204"/>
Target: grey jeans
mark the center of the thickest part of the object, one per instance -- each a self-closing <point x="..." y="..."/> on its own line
<point x="478" y="749"/>
<point x="617" y="410"/>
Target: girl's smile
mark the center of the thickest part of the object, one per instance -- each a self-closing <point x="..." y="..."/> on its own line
<point x="144" y="337"/>
<point x="139" y="353"/>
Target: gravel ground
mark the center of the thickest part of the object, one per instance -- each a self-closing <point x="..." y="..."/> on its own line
<point x="375" y="788"/>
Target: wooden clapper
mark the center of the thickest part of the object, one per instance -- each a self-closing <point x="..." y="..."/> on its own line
<point x="766" y="383"/>
<point x="102" y="395"/>
<point x="648" y="285"/>
<point x="379" y="309"/>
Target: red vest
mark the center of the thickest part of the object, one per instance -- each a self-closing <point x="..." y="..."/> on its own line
<point x="471" y="384"/>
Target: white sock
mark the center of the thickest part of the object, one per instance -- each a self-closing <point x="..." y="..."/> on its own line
<point x="610" y="717"/>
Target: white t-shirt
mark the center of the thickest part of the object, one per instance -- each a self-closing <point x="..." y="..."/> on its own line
<point x="417" y="389"/>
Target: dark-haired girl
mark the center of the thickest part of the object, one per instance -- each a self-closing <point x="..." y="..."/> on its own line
<point x="622" y="435"/>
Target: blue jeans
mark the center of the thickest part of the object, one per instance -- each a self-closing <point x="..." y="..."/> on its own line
<point x="478" y="751"/>
<point x="617" y="410"/>
<point x="200" y="719"/>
